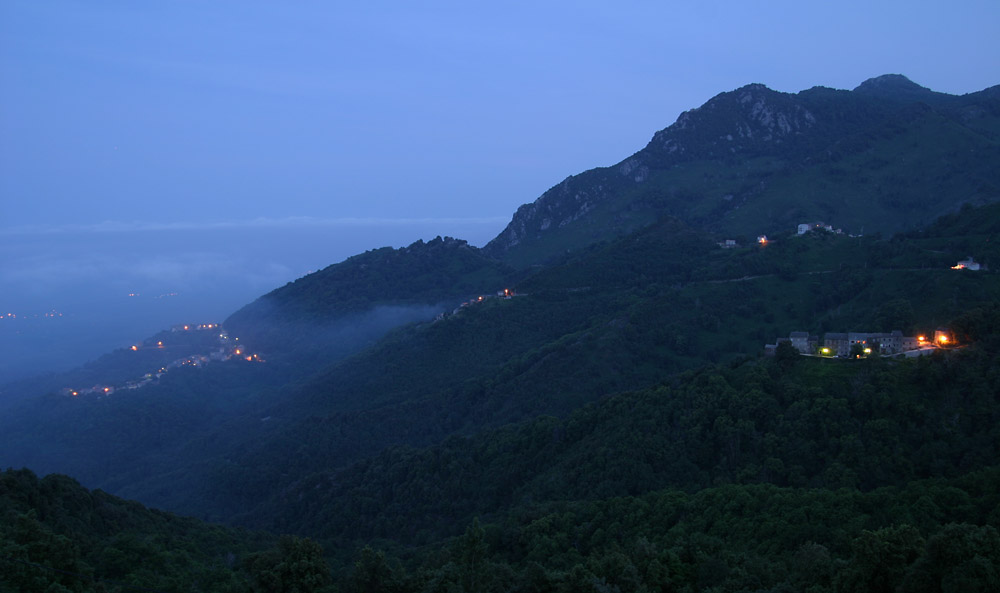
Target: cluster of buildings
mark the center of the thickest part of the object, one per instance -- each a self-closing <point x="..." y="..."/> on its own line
<point x="200" y="326"/>
<point x="506" y="294"/>
<point x="801" y="230"/>
<point x="854" y="344"/>
<point x="806" y="227"/>
<point x="226" y="351"/>
<point x="96" y="389"/>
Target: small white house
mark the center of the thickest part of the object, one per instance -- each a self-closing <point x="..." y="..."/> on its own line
<point x="966" y="264"/>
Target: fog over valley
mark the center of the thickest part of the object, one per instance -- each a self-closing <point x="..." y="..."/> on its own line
<point x="350" y="297"/>
<point x="71" y="294"/>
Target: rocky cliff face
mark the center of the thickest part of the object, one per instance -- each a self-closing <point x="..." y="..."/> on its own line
<point x="668" y="176"/>
<point x="750" y="120"/>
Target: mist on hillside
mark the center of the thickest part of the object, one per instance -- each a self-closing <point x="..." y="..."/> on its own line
<point x="70" y="295"/>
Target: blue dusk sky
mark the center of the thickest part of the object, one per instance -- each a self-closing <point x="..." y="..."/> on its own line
<point x="166" y="146"/>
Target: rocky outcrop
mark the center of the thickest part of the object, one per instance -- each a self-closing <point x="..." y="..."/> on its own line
<point x="792" y="130"/>
<point x="746" y="120"/>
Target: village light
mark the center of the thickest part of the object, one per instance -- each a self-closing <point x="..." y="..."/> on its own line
<point x="825" y="351"/>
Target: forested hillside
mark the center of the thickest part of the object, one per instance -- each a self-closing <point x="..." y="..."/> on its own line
<point x="227" y="441"/>
<point x="436" y="419"/>
<point x="805" y="422"/>
<point x="340" y="307"/>
<point x="57" y="536"/>
<point x="778" y="474"/>
<point x="886" y="157"/>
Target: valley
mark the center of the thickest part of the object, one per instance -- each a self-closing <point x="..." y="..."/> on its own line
<point x="585" y="403"/>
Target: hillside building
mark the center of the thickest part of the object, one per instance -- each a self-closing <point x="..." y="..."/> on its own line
<point x="840" y="344"/>
<point x="943" y="337"/>
<point x="813" y="226"/>
<point x="837" y="343"/>
<point x="967" y="264"/>
<point x="803" y="342"/>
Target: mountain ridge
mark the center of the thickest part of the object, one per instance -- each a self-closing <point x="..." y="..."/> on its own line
<point x="626" y="358"/>
<point x="754" y="148"/>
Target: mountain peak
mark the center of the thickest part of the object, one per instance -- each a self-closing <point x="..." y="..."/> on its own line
<point x="892" y="86"/>
<point x="762" y="148"/>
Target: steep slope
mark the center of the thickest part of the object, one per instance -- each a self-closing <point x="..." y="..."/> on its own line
<point x="116" y="438"/>
<point x="564" y="416"/>
<point x="887" y="156"/>
<point x="56" y="535"/>
<point x="622" y="316"/>
<point x="808" y="422"/>
<point x="347" y="304"/>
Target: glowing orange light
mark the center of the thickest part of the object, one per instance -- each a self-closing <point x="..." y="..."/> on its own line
<point x="159" y="344"/>
<point x="107" y="389"/>
<point x="943" y="339"/>
<point x="74" y="393"/>
<point x="134" y="348"/>
<point x="237" y="351"/>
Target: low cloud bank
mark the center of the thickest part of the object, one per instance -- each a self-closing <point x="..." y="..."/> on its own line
<point x="290" y="222"/>
<point x="184" y="273"/>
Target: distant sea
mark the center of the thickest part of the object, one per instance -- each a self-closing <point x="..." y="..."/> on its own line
<point x="68" y="296"/>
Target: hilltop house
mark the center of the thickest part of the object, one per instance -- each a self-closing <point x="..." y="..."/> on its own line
<point x="967" y="264"/>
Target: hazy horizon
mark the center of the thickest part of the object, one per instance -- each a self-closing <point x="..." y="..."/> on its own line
<point x="72" y="294"/>
<point x="219" y="150"/>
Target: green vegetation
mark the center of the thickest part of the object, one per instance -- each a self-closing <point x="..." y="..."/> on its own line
<point x="225" y="442"/>
<point x="755" y="161"/>
<point x="298" y="316"/>
<point x="612" y="427"/>
<point x="57" y="536"/>
<point x="791" y="423"/>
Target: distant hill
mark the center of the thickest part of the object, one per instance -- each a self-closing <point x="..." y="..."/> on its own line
<point x="610" y="419"/>
<point x="888" y="156"/>
<point x="625" y="315"/>
<point x="346" y="305"/>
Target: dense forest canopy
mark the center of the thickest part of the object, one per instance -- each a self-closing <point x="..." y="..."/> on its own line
<point x="591" y="410"/>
